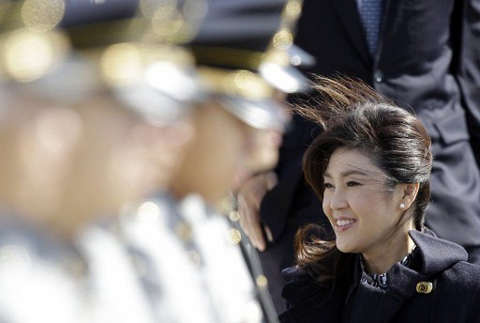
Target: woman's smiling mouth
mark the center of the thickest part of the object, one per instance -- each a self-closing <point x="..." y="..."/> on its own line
<point x="343" y="224"/>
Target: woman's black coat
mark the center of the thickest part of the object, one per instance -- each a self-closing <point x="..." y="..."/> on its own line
<point x="455" y="296"/>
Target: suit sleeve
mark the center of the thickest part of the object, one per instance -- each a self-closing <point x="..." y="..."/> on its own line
<point x="469" y="68"/>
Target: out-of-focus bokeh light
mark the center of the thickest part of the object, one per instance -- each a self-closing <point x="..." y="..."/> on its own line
<point x="147" y="7"/>
<point x="234" y="216"/>
<point x="195" y="10"/>
<point x="234" y="236"/>
<point x="249" y="85"/>
<point x="175" y="21"/>
<point x="42" y="15"/>
<point x="121" y="64"/>
<point x="166" y="9"/>
<point x="28" y="55"/>
<point x="148" y="211"/>
<point x="283" y="39"/>
<point x="296" y="60"/>
<point x="167" y="25"/>
<point x="261" y="281"/>
<point x="293" y="8"/>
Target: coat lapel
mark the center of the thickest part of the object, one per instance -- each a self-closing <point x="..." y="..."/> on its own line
<point x="376" y="305"/>
<point x="402" y="287"/>
<point x="373" y="304"/>
<point x="348" y="13"/>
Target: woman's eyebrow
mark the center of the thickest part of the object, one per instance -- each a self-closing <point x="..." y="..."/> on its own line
<point x="348" y="173"/>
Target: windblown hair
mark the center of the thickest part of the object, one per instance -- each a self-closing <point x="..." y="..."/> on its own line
<point x="354" y="116"/>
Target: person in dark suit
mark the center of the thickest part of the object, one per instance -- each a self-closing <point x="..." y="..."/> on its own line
<point x="371" y="169"/>
<point x="468" y="75"/>
<point x="416" y="57"/>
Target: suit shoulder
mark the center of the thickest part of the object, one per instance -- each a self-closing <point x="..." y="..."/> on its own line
<point x="464" y="274"/>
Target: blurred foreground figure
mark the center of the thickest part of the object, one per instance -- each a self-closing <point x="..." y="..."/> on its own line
<point x="73" y="148"/>
<point x="192" y="266"/>
<point x="124" y="116"/>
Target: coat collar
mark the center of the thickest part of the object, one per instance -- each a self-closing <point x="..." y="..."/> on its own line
<point x="301" y="287"/>
<point x="436" y="254"/>
<point x="307" y="301"/>
<point x="433" y="256"/>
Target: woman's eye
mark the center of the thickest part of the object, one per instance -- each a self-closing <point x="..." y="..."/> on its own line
<point x="352" y="184"/>
<point x="327" y="186"/>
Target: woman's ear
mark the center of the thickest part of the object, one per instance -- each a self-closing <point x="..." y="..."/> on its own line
<point x="410" y="192"/>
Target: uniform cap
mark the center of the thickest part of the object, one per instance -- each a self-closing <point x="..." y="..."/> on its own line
<point x="142" y="67"/>
<point x="244" y="50"/>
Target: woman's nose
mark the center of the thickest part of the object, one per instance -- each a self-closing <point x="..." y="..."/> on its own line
<point x="338" y="200"/>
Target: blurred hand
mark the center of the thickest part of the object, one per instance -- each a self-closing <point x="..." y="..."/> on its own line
<point x="250" y="196"/>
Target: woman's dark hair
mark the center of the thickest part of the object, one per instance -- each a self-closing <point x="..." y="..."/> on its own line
<point x="354" y="116"/>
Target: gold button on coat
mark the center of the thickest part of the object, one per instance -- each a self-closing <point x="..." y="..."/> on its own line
<point x="424" y="287"/>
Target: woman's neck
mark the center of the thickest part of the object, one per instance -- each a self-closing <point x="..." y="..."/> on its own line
<point x="381" y="259"/>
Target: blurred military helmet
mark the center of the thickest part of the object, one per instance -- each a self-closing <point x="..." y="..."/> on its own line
<point x="245" y="53"/>
<point x="114" y="44"/>
<point x="143" y="64"/>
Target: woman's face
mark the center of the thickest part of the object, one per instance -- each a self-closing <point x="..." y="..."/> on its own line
<point x="360" y="207"/>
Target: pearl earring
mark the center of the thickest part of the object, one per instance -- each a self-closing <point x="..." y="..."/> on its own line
<point x="402" y="205"/>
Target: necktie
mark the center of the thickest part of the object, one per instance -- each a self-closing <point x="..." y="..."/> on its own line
<point x="370" y="14"/>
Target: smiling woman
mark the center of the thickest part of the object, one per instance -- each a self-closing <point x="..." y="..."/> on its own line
<point x="371" y="167"/>
<point x="375" y="228"/>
